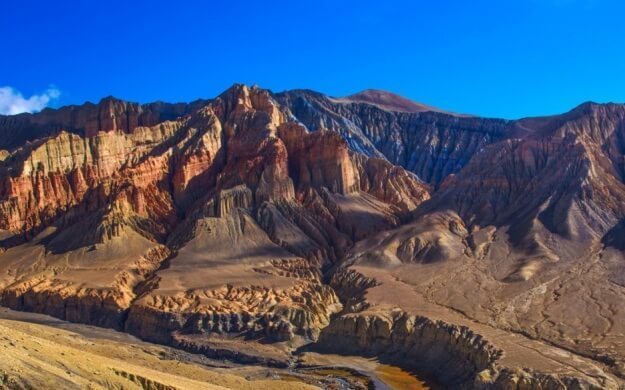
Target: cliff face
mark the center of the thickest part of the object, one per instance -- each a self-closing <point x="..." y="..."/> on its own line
<point x="281" y="209"/>
<point x="223" y="220"/>
<point x="521" y="226"/>
<point x="109" y="114"/>
<point x="247" y="206"/>
<point x="523" y="234"/>
<point x="459" y="357"/>
<point x="44" y="180"/>
<point x="429" y="143"/>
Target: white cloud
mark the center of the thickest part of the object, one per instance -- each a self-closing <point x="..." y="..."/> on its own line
<point x="12" y="102"/>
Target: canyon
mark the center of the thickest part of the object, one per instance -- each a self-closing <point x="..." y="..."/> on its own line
<point x="264" y="228"/>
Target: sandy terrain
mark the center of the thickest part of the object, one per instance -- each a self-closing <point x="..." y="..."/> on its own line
<point x="35" y="355"/>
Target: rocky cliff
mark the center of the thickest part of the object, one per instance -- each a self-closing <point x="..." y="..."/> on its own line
<point x="459" y="357"/>
<point x="247" y="206"/>
<point x="109" y="114"/>
<point x="369" y="222"/>
<point x="430" y="143"/>
<point x="523" y="237"/>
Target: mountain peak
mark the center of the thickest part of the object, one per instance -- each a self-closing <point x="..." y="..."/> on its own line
<point x="389" y="101"/>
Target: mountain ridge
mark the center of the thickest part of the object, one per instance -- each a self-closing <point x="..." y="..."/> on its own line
<point x="390" y="101"/>
<point x="294" y="219"/>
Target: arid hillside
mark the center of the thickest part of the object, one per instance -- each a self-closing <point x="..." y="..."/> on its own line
<point x="257" y="226"/>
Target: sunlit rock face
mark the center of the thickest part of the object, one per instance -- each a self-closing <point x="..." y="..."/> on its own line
<point x="108" y="115"/>
<point x="217" y="221"/>
<point x="370" y="223"/>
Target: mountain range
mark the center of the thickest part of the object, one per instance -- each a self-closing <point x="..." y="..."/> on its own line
<point x="256" y="225"/>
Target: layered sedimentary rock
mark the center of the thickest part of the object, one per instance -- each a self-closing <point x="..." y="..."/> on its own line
<point x="45" y="353"/>
<point x="216" y="223"/>
<point x="522" y="238"/>
<point x="290" y="178"/>
<point x="109" y="114"/>
<point x="455" y="353"/>
<point x="388" y="101"/>
<point x="231" y="278"/>
<point x="93" y="283"/>
<point x="427" y="142"/>
<point x="282" y="217"/>
<point x="43" y="181"/>
<point x="459" y="357"/>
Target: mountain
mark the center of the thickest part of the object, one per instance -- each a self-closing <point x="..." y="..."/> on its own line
<point x="521" y="239"/>
<point x="430" y="144"/>
<point x="388" y="101"/>
<point x="258" y="225"/>
<point x="88" y="119"/>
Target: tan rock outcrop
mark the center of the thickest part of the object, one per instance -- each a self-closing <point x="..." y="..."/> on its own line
<point x="459" y="357"/>
<point x="228" y="277"/>
<point x="225" y="218"/>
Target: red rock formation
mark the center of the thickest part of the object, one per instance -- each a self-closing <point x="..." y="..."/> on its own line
<point x="109" y="114"/>
<point x="388" y="101"/>
<point x="221" y="218"/>
<point x="289" y="200"/>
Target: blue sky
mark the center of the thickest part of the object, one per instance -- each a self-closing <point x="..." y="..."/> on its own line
<point x="488" y="57"/>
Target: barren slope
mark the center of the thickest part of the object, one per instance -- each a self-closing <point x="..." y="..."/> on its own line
<point x="522" y="239"/>
<point x="216" y="227"/>
<point x="45" y="355"/>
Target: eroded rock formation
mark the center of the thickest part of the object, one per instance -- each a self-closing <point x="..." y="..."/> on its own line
<point x="246" y="207"/>
<point x="292" y="216"/>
